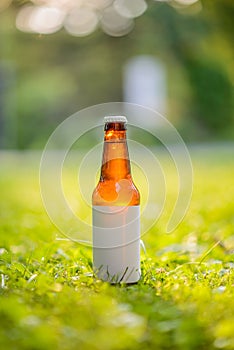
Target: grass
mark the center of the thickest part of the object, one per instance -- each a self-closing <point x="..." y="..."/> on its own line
<point x="49" y="298"/>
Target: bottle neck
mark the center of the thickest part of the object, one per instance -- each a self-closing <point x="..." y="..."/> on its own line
<point x="115" y="160"/>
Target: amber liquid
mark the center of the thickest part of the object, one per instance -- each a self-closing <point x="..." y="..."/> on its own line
<point x="115" y="186"/>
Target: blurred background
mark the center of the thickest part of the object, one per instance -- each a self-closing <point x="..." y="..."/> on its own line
<point x="58" y="57"/>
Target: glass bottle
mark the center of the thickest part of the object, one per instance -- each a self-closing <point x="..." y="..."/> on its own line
<point x="116" y="210"/>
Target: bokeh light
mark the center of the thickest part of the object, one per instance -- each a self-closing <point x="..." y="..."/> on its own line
<point x="129" y="8"/>
<point x="186" y="2"/>
<point x="82" y="17"/>
<point x="23" y="18"/>
<point x="187" y="7"/>
<point x="114" y="24"/>
<point x="40" y="19"/>
<point x="59" y="3"/>
<point x="97" y="4"/>
<point x="81" y="22"/>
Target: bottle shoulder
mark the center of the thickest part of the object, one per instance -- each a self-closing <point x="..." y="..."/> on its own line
<point x="112" y="192"/>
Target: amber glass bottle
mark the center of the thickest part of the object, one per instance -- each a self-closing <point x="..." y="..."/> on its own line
<point x="116" y="210"/>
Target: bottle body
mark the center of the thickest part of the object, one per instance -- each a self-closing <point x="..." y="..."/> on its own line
<point x="116" y="211"/>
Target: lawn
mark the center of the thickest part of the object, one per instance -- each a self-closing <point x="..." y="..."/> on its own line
<point x="49" y="298"/>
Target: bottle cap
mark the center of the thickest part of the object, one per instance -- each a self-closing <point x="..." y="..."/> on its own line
<point x="115" y="119"/>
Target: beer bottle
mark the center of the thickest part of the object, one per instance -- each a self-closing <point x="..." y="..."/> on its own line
<point x="116" y="210"/>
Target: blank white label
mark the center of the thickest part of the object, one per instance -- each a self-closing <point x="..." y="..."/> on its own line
<point x="116" y="243"/>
